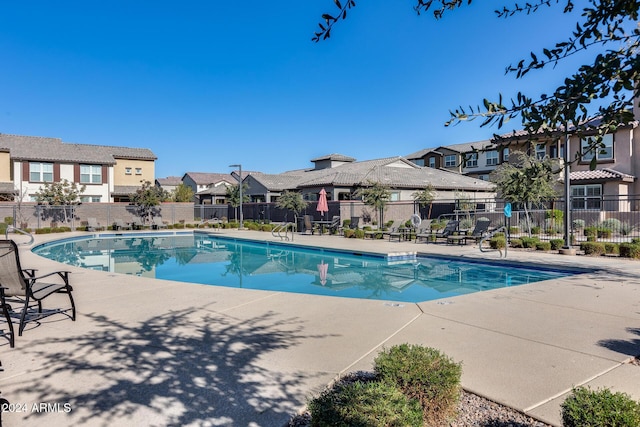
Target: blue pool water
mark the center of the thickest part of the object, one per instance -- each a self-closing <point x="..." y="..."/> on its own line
<point x="200" y="258"/>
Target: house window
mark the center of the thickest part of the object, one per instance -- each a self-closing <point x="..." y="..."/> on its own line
<point x="450" y="161"/>
<point x="419" y="162"/>
<point x="586" y="197"/>
<point x="492" y="158"/>
<point x="541" y="151"/>
<point x="556" y="151"/>
<point x="40" y="172"/>
<point x="395" y="196"/>
<point x="90" y="199"/>
<point x="472" y="160"/>
<point x="432" y="162"/>
<point x="127" y="171"/>
<point x="602" y="152"/>
<point x="505" y="154"/>
<point x="138" y="171"/>
<point x="90" y="174"/>
<point x="483" y="177"/>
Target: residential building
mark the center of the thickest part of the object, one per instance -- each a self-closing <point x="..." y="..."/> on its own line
<point x="109" y="173"/>
<point x="209" y="188"/>
<point x="169" y="183"/>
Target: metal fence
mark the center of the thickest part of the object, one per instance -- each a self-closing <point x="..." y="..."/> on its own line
<point x="614" y="219"/>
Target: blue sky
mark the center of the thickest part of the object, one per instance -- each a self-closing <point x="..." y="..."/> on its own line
<point x="205" y="84"/>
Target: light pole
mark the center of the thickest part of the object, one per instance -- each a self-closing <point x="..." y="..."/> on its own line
<point x="240" y="185"/>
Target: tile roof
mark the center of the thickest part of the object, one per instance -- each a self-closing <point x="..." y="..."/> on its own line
<point x="278" y="182"/>
<point x="124" y="190"/>
<point x="336" y="157"/>
<point x="53" y="149"/>
<point x="604" y="174"/>
<point x="170" y="180"/>
<point x="205" y="178"/>
<point x="215" y="190"/>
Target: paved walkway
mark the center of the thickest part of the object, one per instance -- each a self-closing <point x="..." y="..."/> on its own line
<point x="146" y="352"/>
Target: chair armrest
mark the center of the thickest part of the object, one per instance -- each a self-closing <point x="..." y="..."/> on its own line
<point x="63" y="274"/>
<point x="31" y="272"/>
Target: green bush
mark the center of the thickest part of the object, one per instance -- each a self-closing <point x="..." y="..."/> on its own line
<point x="543" y="246"/>
<point x="601" y="408"/>
<point x="424" y="374"/>
<point x="266" y="227"/>
<point x="604" y="233"/>
<point x="529" y="242"/>
<point x="364" y="404"/>
<point x="556" y="244"/>
<point x="43" y="230"/>
<point x="349" y="233"/>
<point x="591" y="238"/>
<point x="359" y="234"/>
<point x="592" y="248"/>
<point x="346" y="223"/>
<point x="514" y="230"/>
<point x="635" y="241"/>
<point x="536" y="229"/>
<point x="590" y="231"/>
<point x="498" y="242"/>
<point x="629" y="250"/>
<point x="466" y="224"/>
<point x="8" y="220"/>
<point x="516" y="243"/>
<point x="612" y="224"/>
<point x="499" y="235"/>
<point x="611" y="248"/>
<point x="555" y="215"/>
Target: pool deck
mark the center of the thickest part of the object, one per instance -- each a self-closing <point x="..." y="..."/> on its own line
<point x="156" y="353"/>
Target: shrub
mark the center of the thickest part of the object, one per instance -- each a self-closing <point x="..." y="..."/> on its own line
<point x="349" y="233"/>
<point x="346" y="223"/>
<point x="591" y="238"/>
<point x="266" y="227"/>
<point x="466" y="223"/>
<point x="604" y="233"/>
<point x="364" y="404"/>
<point x="629" y="250"/>
<point x="498" y="242"/>
<point x="529" y="242"/>
<point x="588" y="408"/>
<point x="359" y="234"/>
<point x="556" y="244"/>
<point x="43" y="230"/>
<point x="555" y="215"/>
<point x="611" y="248"/>
<point x="611" y="224"/>
<point x="514" y="230"/>
<point x="8" y="220"/>
<point x="178" y="226"/>
<point x="536" y="229"/>
<point x="635" y="241"/>
<point x="424" y="374"/>
<point x="516" y="243"/>
<point x="592" y="248"/>
<point x="438" y="225"/>
<point x="578" y="224"/>
<point x="543" y="246"/>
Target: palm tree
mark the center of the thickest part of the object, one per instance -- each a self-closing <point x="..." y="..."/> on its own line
<point x="376" y="195"/>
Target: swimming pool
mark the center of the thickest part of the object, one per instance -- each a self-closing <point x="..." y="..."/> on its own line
<point x="212" y="260"/>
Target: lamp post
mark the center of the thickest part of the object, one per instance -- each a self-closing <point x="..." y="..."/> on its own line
<point x="240" y="188"/>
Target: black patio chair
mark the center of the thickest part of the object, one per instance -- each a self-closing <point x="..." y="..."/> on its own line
<point x="25" y="287"/>
<point x="481" y="228"/>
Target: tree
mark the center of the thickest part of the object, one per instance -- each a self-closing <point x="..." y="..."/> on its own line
<point x="147" y="198"/>
<point x="292" y="200"/>
<point x="182" y="194"/>
<point x="377" y="196"/>
<point x="233" y="196"/>
<point x="608" y="28"/>
<point x="527" y="180"/>
<point x="63" y="195"/>
<point x="425" y="197"/>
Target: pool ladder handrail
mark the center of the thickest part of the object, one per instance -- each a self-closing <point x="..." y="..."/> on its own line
<point x="489" y="236"/>
<point x="21" y="231"/>
<point x="283" y="228"/>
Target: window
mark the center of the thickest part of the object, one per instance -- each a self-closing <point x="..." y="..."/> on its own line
<point x="492" y="158"/>
<point x="586" y="196"/>
<point x="450" y="160"/>
<point x="483" y="177"/>
<point x="127" y="171"/>
<point x="40" y="172"/>
<point x="419" y="162"/>
<point x="432" y="162"/>
<point x="505" y="154"/>
<point x="541" y="151"/>
<point x="90" y="199"/>
<point x="603" y="151"/>
<point x="138" y="171"/>
<point x="556" y="151"/>
<point x="395" y="196"/>
<point x="472" y="160"/>
<point x="90" y="174"/>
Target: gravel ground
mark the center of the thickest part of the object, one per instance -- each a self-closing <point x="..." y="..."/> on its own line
<point x="473" y="411"/>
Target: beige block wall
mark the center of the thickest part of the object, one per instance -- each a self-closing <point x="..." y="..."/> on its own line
<point x="121" y="178"/>
<point x="5" y="167"/>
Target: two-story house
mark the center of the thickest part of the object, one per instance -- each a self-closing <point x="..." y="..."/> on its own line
<point x="110" y="174"/>
<point x="209" y="188"/>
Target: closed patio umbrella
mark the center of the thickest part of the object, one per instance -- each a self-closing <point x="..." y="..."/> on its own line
<point x="322" y="270"/>
<point x="322" y="203"/>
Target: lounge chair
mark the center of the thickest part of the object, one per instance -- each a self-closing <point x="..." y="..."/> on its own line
<point x="119" y="224"/>
<point x="478" y="233"/>
<point x="158" y="223"/>
<point x="336" y="225"/>
<point x="93" y="225"/>
<point x="424" y="232"/>
<point x="5" y="311"/>
<point x="448" y="230"/>
<point x="395" y="231"/>
<point x="137" y="224"/>
<point x="355" y="222"/>
<point x="25" y="287"/>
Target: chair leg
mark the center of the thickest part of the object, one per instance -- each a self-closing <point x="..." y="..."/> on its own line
<point x="73" y="306"/>
<point x="5" y="311"/>
<point x="23" y="316"/>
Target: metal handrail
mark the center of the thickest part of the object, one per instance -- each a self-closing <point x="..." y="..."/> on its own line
<point x="279" y="229"/>
<point x="489" y="236"/>
<point x="19" y="230"/>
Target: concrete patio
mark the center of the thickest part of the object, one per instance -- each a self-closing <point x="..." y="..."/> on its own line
<point x="147" y="352"/>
